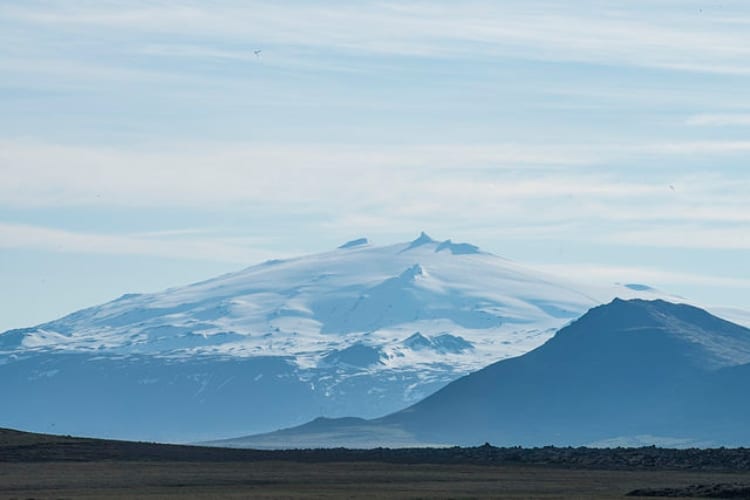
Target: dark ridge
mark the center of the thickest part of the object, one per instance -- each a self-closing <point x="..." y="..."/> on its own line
<point x="443" y="343"/>
<point x="638" y="287"/>
<point x="457" y="248"/>
<point x="12" y="339"/>
<point x="627" y="368"/>
<point x="355" y="243"/>
<point x="422" y="239"/>
<point x="355" y="355"/>
<point x="16" y="446"/>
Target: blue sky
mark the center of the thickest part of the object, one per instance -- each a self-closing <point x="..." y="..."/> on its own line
<point x="144" y="144"/>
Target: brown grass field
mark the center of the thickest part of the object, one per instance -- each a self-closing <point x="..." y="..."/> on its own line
<point x="268" y="479"/>
<point x="51" y="467"/>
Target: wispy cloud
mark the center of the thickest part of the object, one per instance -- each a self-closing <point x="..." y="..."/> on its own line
<point x="602" y="273"/>
<point x="719" y="120"/>
<point x="186" y="173"/>
<point x="193" y="175"/>
<point x="701" y="147"/>
<point x="362" y="187"/>
<point x="735" y="237"/>
<point x="639" y="34"/>
<point x="181" y="244"/>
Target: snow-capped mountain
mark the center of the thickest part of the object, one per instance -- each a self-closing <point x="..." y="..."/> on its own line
<point x="362" y="330"/>
<point x="629" y="372"/>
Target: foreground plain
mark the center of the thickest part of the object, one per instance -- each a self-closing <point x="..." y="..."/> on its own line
<point x="53" y="467"/>
<point x="268" y="479"/>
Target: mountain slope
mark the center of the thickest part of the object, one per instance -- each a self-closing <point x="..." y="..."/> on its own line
<point x="362" y="330"/>
<point x="628" y="371"/>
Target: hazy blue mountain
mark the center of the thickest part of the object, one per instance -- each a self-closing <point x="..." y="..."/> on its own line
<point x="631" y="371"/>
<point x="285" y="341"/>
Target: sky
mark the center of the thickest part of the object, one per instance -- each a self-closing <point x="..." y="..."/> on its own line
<point x="148" y="144"/>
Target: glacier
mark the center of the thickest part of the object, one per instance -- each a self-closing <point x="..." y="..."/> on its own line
<point x="362" y="330"/>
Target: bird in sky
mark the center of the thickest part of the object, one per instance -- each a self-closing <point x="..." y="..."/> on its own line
<point x="257" y="53"/>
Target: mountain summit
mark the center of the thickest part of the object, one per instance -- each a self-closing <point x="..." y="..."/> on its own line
<point x="284" y="341"/>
